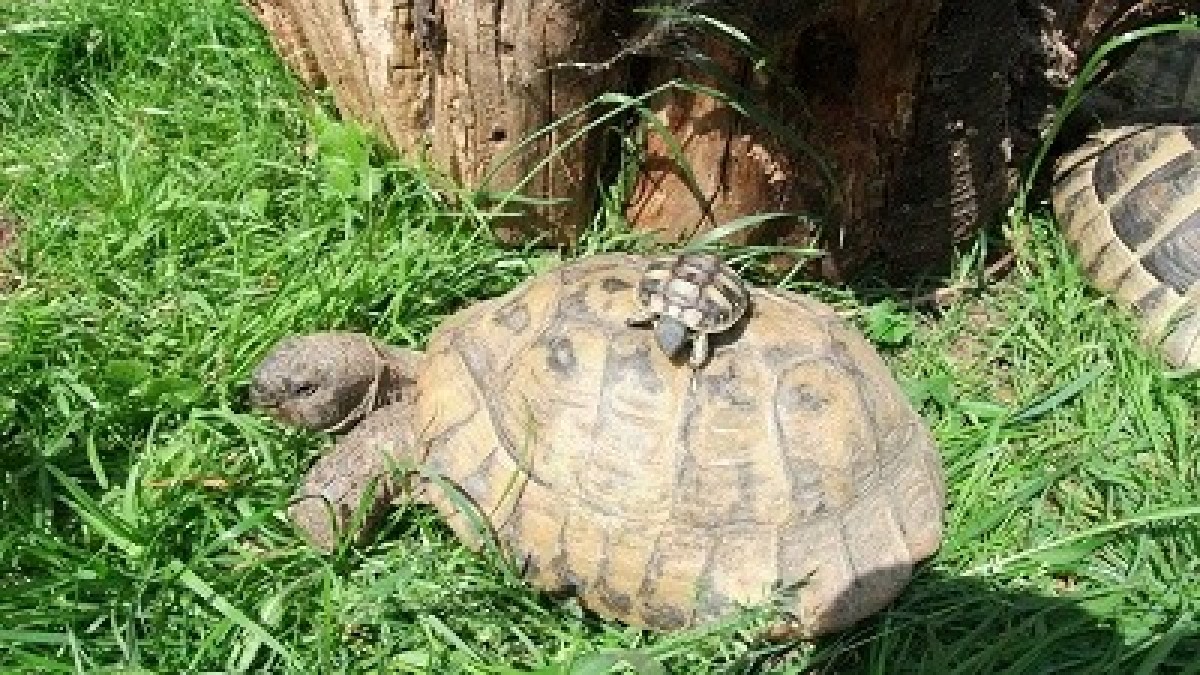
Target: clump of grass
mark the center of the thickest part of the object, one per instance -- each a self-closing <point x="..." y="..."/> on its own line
<point x="185" y="208"/>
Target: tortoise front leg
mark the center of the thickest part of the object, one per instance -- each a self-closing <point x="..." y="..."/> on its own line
<point x="699" y="350"/>
<point x="372" y="459"/>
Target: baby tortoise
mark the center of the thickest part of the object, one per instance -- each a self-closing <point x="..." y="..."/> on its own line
<point x="687" y="297"/>
<point x="794" y="462"/>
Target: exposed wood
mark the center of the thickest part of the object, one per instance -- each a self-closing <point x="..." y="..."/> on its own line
<point x="738" y="167"/>
<point x="463" y="81"/>
<point x="925" y="111"/>
<point x="498" y="81"/>
<point x="844" y="80"/>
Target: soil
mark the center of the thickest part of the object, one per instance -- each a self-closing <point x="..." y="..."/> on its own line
<point x="9" y="228"/>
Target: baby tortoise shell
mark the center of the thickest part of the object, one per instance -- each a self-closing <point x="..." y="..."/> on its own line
<point x="1129" y="203"/>
<point x="659" y="496"/>
<point x="689" y="296"/>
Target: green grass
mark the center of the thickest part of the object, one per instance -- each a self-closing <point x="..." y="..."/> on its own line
<point x="185" y="208"/>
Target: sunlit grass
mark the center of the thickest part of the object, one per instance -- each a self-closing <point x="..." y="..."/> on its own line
<point x="184" y="208"/>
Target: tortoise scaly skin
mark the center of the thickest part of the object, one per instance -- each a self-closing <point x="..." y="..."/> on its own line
<point x="688" y="297"/>
<point x="658" y="496"/>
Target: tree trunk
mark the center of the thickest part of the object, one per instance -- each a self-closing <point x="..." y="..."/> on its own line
<point x="465" y="82"/>
<point x="995" y="73"/>
<point x="897" y="128"/>
<point x="843" y="85"/>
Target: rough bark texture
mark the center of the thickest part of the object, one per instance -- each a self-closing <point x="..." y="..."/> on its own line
<point x="925" y="111"/>
<point x="497" y="81"/>
<point x="844" y="80"/>
<point x="738" y="168"/>
<point x="464" y="81"/>
<point x="994" y="74"/>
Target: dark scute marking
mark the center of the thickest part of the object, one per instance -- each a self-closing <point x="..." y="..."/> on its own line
<point x="1175" y="260"/>
<point x="713" y="605"/>
<point x="724" y="385"/>
<point x="569" y="583"/>
<point x="714" y="313"/>
<point x="615" y="285"/>
<point x="1145" y="305"/>
<point x="481" y="482"/>
<point x="808" y="487"/>
<point x="777" y="356"/>
<point x="531" y="566"/>
<point x="1093" y="266"/>
<point x="1123" y="277"/>
<point x="731" y="335"/>
<point x="695" y="503"/>
<point x="614" y="599"/>
<point x="648" y="287"/>
<point x="1075" y="201"/>
<point x="637" y="366"/>
<point x="1192" y="132"/>
<point x="514" y="316"/>
<point x="717" y="312"/>
<point x="1114" y="162"/>
<point x="664" y="617"/>
<point x="748" y="483"/>
<point x="560" y="356"/>
<point x="575" y="304"/>
<point x="1140" y="212"/>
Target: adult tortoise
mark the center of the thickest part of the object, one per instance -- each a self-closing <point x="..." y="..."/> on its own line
<point x="1128" y="198"/>
<point x="659" y="495"/>
<point x="1129" y="205"/>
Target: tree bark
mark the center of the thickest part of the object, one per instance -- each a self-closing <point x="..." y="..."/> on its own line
<point x="464" y="82"/>
<point x="994" y="75"/>
<point x="843" y="84"/>
<point x="898" y="128"/>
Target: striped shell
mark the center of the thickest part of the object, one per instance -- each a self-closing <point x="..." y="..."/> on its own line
<point x="699" y="289"/>
<point x="1129" y="203"/>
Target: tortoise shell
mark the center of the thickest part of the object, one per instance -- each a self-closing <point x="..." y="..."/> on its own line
<point x="698" y="289"/>
<point x="1129" y="204"/>
<point x="1156" y="79"/>
<point x="664" y="497"/>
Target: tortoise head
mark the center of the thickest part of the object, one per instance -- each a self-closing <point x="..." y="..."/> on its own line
<point x="321" y="381"/>
<point x="671" y="334"/>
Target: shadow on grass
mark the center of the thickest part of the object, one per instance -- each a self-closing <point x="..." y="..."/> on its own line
<point x="953" y="624"/>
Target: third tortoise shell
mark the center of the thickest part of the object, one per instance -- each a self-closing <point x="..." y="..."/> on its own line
<point x="1129" y="204"/>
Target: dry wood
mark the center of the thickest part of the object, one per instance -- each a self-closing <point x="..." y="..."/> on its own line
<point x="843" y="82"/>
<point x="926" y="111"/>
<point x="463" y="81"/>
<point x="498" y="81"/>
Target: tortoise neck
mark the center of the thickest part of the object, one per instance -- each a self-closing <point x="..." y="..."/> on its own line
<point x="370" y="399"/>
<point x="392" y="380"/>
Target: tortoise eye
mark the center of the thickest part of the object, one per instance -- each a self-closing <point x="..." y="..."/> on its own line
<point x="304" y="389"/>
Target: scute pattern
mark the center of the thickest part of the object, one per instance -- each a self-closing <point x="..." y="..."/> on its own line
<point x="699" y="290"/>
<point x="663" y="500"/>
<point x="1129" y="203"/>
